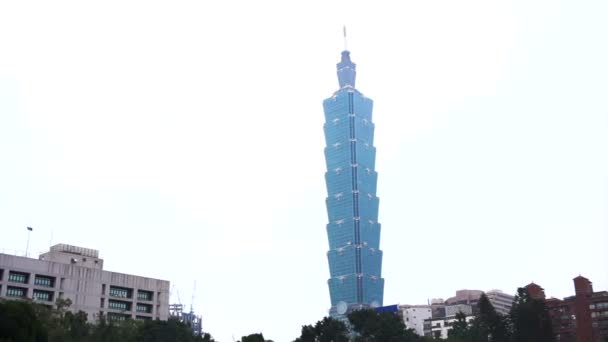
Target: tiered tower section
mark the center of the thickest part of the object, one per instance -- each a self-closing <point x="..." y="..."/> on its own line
<point x="355" y="258"/>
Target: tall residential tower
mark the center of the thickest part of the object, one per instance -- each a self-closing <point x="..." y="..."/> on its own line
<point x="355" y="258"/>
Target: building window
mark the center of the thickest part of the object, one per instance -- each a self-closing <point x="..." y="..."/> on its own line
<point x="119" y="305"/>
<point x="44" y="281"/>
<point x="103" y="289"/>
<point x="144" y="295"/>
<point x="114" y="317"/>
<point x="16" y="292"/>
<point x="146" y="308"/>
<point x="18" y="277"/>
<point x="46" y="296"/>
<point x="601" y="306"/>
<point x="143" y="318"/>
<point x="120" y="292"/>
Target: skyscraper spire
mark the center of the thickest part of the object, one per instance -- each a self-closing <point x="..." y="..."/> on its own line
<point x="344" y="31"/>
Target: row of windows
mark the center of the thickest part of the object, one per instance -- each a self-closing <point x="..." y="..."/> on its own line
<point x="144" y="295"/>
<point x="46" y="296"/>
<point x="119" y="305"/>
<point x="146" y="308"/>
<point x="599" y="314"/>
<point x="23" y="278"/>
<point x="120" y="292"/>
<point x="112" y="316"/>
<point x="600" y="306"/>
<point x="15" y="292"/>
<point x="44" y="281"/>
<point x="18" y="277"/>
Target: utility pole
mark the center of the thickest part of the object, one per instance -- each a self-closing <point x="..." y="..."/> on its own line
<point x="27" y="247"/>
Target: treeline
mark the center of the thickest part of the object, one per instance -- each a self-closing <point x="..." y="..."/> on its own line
<point x="528" y="321"/>
<point x="24" y="321"/>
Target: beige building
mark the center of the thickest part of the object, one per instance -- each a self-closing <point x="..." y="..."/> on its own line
<point x="76" y="273"/>
<point x="501" y="301"/>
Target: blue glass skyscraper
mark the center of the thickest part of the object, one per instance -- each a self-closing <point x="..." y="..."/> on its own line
<point x="353" y="231"/>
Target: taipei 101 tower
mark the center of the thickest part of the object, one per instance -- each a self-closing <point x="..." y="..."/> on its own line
<point x="353" y="231"/>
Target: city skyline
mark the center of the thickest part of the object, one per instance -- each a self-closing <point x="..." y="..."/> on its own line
<point x="194" y="129"/>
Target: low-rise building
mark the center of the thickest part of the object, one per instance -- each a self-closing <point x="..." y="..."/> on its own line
<point x="582" y="317"/>
<point x="439" y="326"/>
<point x="414" y="316"/>
<point x="439" y="316"/>
<point x="501" y="301"/>
<point x="76" y="273"/>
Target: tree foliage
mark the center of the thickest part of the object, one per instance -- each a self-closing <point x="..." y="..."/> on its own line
<point x="18" y="322"/>
<point x="460" y="331"/>
<point x="530" y="319"/>
<point x="488" y="325"/>
<point x="326" y="330"/>
<point x="29" y="322"/>
<point x="371" y="326"/>
<point x="254" y="338"/>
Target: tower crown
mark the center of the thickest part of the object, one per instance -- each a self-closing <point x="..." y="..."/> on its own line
<point x="347" y="71"/>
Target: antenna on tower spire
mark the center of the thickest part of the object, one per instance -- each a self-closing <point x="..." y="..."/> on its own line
<point x="344" y="31"/>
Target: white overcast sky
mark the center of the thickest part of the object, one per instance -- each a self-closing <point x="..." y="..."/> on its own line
<point x="184" y="140"/>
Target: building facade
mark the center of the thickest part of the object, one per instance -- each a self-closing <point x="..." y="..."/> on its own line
<point x="414" y="317"/>
<point x="354" y="256"/>
<point x="76" y="273"/>
<point x="582" y="317"/>
<point x="444" y="316"/>
<point x="437" y="318"/>
<point x="501" y="301"/>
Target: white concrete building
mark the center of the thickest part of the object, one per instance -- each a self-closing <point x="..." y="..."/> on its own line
<point x="76" y="273"/>
<point x="414" y="316"/>
<point x="439" y="327"/>
<point x="501" y="301"/>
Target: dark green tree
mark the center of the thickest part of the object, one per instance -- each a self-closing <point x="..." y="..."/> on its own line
<point x="371" y="326"/>
<point x="325" y="330"/>
<point x="74" y="326"/>
<point x="107" y="331"/>
<point x="488" y="325"/>
<point x="165" y="331"/>
<point x="254" y="338"/>
<point x="530" y="319"/>
<point x="460" y="331"/>
<point x="19" y="323"/>
<point x="29" y="322"/>
<point x="207" y="338"/>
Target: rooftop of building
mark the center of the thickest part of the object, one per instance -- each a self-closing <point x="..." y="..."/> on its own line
<point x="65" y="248"/>
<point x="75" y="256"/>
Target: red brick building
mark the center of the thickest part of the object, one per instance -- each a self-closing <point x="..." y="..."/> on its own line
<point x="579" y="318"/>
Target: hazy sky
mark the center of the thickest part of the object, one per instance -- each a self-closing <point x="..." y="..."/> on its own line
<point x="184" y="140"/>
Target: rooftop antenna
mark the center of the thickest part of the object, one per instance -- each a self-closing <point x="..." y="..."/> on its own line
<point x="344" y="32"/>
<point x="192" y="300"/>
